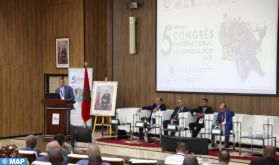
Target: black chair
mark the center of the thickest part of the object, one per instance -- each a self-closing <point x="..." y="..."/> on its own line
<point x="195" y="145"/>
<point x="80" y="134"/>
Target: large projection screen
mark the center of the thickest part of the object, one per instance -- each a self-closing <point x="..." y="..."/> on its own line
<point x="217" y="46"/>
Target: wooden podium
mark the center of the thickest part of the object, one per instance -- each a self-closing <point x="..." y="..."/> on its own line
<point x="57" y="117"/>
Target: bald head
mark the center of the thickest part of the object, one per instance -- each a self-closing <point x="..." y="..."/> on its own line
<point x="93" y="149"/>
<point x="31" y="141"/>
<point x="52" y="145"/>
<point x="224" y="157"/>
<point x="269" y="151"/>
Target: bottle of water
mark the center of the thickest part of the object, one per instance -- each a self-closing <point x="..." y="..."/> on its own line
<point x="125" y="120"/>
<point x="250" y="131"/>
<point x="264" y="133"/>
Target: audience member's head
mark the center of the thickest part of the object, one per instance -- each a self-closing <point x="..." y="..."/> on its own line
<point x="180" y="102"/>
<point x="222" y="107"/>
<point x="269" y="151"/>
<point x="190" y="161"/>
<point x="52" y="145"/>
<point x="182" y="148"/>
<point x="9" y="151"/>
<point x="93" y="149"/>
<point x="55" y="156"/>
<point x="158" y="100"/>
<point x="31" y="141"/>
<point x="95" y="159"/>
<point x="224" y="157"/>
<point x="60" y="139"/>
<point x="204" y="102"/>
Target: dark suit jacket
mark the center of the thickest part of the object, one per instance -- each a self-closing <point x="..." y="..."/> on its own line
<point x="208" y="110"/>
<point x="152" y="107"/>
<point x="229" y="118"/>
<point x="265" y="161"/>
<point x="68" y="92"/>
<point x="175" y="115"/>
<point x="46" y="159"/>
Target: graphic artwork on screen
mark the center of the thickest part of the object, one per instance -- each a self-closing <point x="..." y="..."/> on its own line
<point x="223" y="46"/>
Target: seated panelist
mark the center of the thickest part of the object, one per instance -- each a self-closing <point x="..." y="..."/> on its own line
<point x="225" y="121"/>
<point x="157" y="106"/>
<point x="199" y="113"/>
<point x="65" y="92"/>
<point x="174" y="117"/>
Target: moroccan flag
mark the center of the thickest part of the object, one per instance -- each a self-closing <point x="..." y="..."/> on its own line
<point x="86" y="99"/>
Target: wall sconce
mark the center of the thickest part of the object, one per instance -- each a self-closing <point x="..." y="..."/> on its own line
<point x="132" y="35"/>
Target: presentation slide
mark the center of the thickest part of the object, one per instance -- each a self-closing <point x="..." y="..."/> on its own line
<point x="217" y="46"/>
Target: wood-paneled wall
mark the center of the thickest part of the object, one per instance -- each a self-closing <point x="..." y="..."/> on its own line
<point x="98" y="37"/>
<point x="136" y="73"/>
<point x="21" y="77"/>
<point x="61" y="18"/>
<point x="28" y="29"/>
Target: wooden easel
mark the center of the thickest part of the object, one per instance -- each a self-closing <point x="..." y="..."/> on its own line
<point x="105" y="122"/>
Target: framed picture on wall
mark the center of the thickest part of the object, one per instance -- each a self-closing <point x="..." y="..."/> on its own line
<point x="62" y="53"/>
<point x="103" y="99"/>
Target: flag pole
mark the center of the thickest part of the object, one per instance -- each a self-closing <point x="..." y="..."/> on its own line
<point x="84" y="122"/>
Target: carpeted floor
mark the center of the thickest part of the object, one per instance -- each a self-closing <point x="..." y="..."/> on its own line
<point x="128" y="142"/>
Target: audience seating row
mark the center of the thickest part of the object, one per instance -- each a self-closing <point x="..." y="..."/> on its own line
<point x="74" y="158"/>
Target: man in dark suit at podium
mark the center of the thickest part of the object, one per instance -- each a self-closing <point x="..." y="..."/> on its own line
<point x="199" y="112"/>
<point x="174" y="117"/>
<point x="65" y="92"/>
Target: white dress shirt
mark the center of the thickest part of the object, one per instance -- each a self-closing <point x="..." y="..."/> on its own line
<point x="178" y="158"/>
<point x="62" y="92"/>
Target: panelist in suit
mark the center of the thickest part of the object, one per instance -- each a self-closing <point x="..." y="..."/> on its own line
<point x="269" y="157"/>
<point x="65" y="92"/>
<point x="199" y="112"/>
<point x="224" y="119"/>
<point x="174" y="117"/>
<point x="157" y="106"/>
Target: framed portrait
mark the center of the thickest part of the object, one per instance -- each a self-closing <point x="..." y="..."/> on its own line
<point x="62" y="53"/>
<point x="103" y="99"/>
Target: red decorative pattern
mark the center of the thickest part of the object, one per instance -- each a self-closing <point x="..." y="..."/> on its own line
<point x="138" y="143"/>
